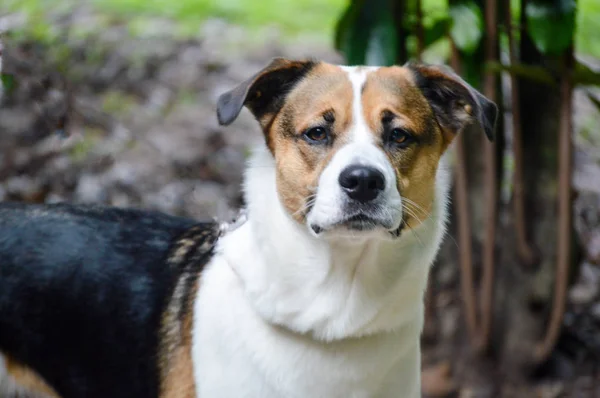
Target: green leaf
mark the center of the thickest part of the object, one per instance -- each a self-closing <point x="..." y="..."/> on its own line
<point x="595" y="100"/>
<point x="8" y="82"/>
<point x="366" y="33"/>
<point x="551" y="24"/>
<point x="344" y="25"/>
<point x="437" y="31"/>
<point x="583" y="75"/>
<point x="472" y="71"/>
<point x="382" y="44"/>
<point x="467" y="26"/>
<point x="349" y="39"/>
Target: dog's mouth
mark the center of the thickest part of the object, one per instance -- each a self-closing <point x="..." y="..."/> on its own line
<point x="361" y="223"/>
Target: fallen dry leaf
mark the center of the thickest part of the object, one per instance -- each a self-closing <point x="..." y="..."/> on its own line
<point x="436" y="380"/>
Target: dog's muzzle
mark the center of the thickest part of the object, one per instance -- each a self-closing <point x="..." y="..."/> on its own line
<point x="363" y="203"/>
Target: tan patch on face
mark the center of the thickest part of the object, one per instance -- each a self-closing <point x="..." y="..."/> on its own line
<point x="392" y="100"/>
<point x="326" y="90"/>
<point x="28" y="378"/>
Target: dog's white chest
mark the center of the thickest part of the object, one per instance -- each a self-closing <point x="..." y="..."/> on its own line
<point x="237" y="354"/>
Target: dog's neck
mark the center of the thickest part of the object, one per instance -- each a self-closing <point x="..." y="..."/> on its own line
<point x="330" y="289"/>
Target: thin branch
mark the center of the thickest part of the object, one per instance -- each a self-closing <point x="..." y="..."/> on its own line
<point x="491" y="184"/>
<point x="429" y="329"/>
<point x="464" y="221"/>
<point x="523" y="248"/>
<point x="1" y="82"/>
<point x="534" y="73"/>
<point x="565" y="166"/>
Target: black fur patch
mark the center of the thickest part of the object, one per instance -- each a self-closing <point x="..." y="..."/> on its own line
<point x="447" y="94"/>
<point x="274" y="87"/>
<point x="83" y="289"/>
<point x="264" y="92"/>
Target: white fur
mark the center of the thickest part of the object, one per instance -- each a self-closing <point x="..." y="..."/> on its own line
<point x="328" y="209"/>
<point x="282" y="313"/>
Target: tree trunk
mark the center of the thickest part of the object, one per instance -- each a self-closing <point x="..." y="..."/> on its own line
<point x="524" y="292"/>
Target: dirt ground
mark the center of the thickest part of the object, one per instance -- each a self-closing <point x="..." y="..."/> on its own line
<point x="131" y="122"/>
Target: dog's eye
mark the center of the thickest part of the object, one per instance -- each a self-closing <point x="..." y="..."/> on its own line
<point x="401" y="138"/>
<point x="316" y="135"/>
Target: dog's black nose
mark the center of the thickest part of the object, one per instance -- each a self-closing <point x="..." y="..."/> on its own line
<point x="362" y="183"/>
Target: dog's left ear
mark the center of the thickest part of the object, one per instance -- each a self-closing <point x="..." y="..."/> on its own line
<point x="454" y="102"/>
<point x="264" y="93"/>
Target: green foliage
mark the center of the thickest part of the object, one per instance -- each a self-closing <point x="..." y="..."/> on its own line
<point x="588" y="27"/>
<point x="367" y="34"/>
<point x="8" y="82"/>
<point x="315" y="18"/>
<point x="586" y="76"/>
<point x="367" y="26"/>
<point x="467" y="26"/>
<point x="551" y="24"/>
<point x="437" y="31"/>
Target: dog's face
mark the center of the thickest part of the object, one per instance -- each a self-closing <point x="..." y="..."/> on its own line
<point x="357" y="148"/>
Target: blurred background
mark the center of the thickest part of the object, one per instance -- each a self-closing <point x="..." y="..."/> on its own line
<point x="113" y="102"/>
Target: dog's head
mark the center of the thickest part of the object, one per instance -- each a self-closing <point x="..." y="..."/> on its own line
<point x="357" y="148"/>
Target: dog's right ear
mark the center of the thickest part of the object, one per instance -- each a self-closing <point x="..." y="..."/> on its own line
<point x="263" y="93"/>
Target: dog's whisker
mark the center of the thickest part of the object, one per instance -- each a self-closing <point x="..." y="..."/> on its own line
<point x="310" y="201"/>
<point x="417" y="236"/>
<point x="415" y="205"/>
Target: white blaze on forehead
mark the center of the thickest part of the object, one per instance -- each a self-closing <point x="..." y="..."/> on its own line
<point x="359" y="130"/>
<point x="360" y="148"/>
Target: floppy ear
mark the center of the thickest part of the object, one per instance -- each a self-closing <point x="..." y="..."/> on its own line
<point x="454" y="102"/>
<point x="264" y="92"/>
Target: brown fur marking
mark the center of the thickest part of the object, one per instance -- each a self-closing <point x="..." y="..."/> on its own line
<point x="391" y="92"/>
<point x="176" y="367"/>
<point x="178" y="378"/>
<point x="28" y="378"/>
<point x="325" y="98"/>
<point x="322" y="98"/>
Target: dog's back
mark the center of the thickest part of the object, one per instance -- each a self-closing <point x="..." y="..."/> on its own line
<point x="82" y="295"/>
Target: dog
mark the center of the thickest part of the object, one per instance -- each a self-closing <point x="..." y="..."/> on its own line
<point x="316" y="291"/>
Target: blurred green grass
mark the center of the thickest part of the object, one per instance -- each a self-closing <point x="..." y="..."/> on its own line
<point x="292" y="16"/>
<point x="315" y="18"/>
